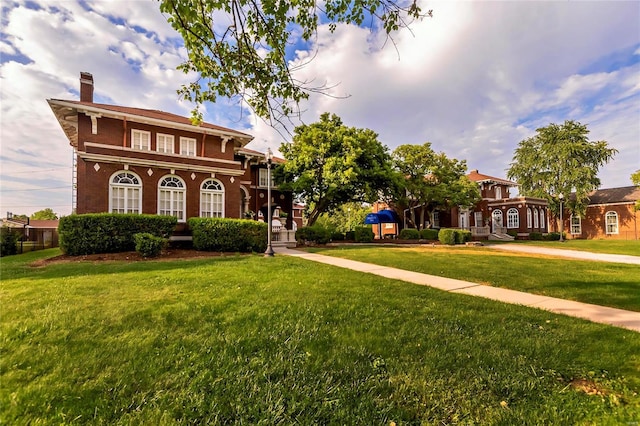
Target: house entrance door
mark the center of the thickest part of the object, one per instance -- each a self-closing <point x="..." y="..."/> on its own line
<point x="496" y="222"/>
<point x="463" y="221"/>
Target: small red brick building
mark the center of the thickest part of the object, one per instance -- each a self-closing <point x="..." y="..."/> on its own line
<point x="611" y="214"/>
<point x="133" y="160"/>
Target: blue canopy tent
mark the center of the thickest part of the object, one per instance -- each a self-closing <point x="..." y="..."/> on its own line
<point x="383" y="216"/>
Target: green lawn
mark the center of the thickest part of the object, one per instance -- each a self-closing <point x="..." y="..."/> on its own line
<point x="630" y="247"/>
<point x="607" y="284"/>
<point x="249" y="340"/>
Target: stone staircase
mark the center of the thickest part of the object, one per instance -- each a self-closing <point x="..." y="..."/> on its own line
<point x="499" y="236"/>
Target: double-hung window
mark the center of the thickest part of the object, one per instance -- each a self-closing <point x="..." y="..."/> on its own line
<point x="513" y="219"/>
<point x="188" y="147"/>
<point x="611" y="219"/>
<point x="529" y="218"/>
<point x="211" y="199"/>
<point x="536" y="223"/>
<point x="140" y="140"/>
<point x="171" y="197"/>
<point x="125" y="193"/>
<point x="164" y="143"/>
<point x="576" y="225"/>
<point x="263" y="178"/>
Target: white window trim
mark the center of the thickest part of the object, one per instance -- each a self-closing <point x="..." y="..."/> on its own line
<point x="511" y="222"/>
<point x="126" y="187"/>
<point x="606" y="222"/>
<point x="188" y="143"/>
<point x="536" y="219"/>
<point x="208" y="191"/>
<point x="543" y="223"/>
<point x="166" y="138"/>
<point x="498" y="192"/>
<point x="529" y="218"/>
<point x="577" y="226"/>
<point x="147" y="139"/>
<point x="263" y="176"/>
<point x="184" y="198"/>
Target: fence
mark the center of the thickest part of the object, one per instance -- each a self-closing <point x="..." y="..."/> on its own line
<point x="36" y="239"/>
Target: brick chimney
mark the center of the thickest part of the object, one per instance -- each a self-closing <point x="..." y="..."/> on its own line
<point x="86" y="87"/>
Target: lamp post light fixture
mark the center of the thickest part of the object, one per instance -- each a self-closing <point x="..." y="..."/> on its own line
<point x="269" y="157"/>
<point x="561" y="197"/>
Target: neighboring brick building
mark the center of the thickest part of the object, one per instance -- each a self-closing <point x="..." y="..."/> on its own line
<point x="133" y="160"/>
<point x="610" y="214"/>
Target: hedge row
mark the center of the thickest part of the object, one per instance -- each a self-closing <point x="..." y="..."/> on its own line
<point x="109" y="232"/>
<point x="454" y="236"/>
<point x="228" y="235"/>
<point x="318" y="234"/>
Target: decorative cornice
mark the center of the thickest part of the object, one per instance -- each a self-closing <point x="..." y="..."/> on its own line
<point x="177" y="156"/>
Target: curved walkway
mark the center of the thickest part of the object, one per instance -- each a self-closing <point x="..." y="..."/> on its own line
<point x="600" y="314"/>
<point x="573" y="254"/>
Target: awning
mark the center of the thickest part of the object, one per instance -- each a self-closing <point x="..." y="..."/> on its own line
<point x="383" y="216"/>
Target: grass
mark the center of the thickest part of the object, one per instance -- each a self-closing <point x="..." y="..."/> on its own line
<point x="628" y="247"/>
<point x="249" y="340"/>
<point x="607" y="284"/>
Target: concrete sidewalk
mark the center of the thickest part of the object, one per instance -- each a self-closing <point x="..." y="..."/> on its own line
<point x="572" y="254"/>
<point x="600" y="314"/>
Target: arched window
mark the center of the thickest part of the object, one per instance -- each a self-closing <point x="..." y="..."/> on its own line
<point x="536" y="224"/>
<point x="171" y="197"/>
<point x="513" y="220"/>
<point x="496" y="222"/>
<point x="529" y="217"/>
<point x="125" y="193"/>
<point x="611" y="219"/>
<point x="576" y="225"/>
<point x="543" y="223"/>
<point x="212" y="199"/>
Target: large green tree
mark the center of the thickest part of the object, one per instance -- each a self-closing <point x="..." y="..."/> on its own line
<point x="329" y="164"/>
<point x="46" y="214"/>
<point x="558" y="161"/>
<point x="239" y="47"/>
<point x="431" y="181"/>
<point x="635" y="179"/>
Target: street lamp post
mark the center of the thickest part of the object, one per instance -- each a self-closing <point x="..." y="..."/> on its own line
<point x="269" y="157"/>
<point x="561" y="220"/>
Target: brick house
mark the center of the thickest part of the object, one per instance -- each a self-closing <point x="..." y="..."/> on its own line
<point x="610" y="214"/>
<point x="133" y="160"/>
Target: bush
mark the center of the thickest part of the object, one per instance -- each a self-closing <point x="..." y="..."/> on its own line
<point x="429" y="234"/>
<point x="148" y="245"/>
<point x="8" y="241"/>
<point x="512" y="232"/>
<point x="337" y="236"/>
<point x="350" y="236"/>
<point x="535" y="236"/>
<point x="553" y="236"/>
<point x="317" y="234"/>
<point x="109" y="232"/>
<point x="228" y="235"/>
<point x="363" y="234"/>
<point x="462" y="236"/>
<point x="447" y="236"/>
<point x="409" y="234"/>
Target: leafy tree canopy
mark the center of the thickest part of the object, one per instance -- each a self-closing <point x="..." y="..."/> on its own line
<point x="329" y="164"/>
<point x="46" y="214"/>
<point x="560" y="160"/>
<point x="635" y="179"/>
<point x="345" y="218"/>
<point x="432" y="180"/>
<point x="239" y="47"/>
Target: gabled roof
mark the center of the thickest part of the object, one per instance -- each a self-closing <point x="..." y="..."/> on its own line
<point x="66" y="113"/>
<point x="615" y="195"/>
<point x="475" y="176"/>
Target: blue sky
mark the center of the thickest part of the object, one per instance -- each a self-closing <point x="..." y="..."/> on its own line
<point x="474" y="80"/>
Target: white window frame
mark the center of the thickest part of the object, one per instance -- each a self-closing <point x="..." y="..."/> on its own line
<point x="263" y="176"/>
<point x="543" y="223"/>
<point x="210" y="197"/>
<point x="575" y="224"/>
<point x="529" y="217"/>
<point x="435" y="219"/>
<point x="477" y="219"/>
<point x="129" y="185"/>
<point x="188" y="146"/>
<point x="513" y="218"/>
<point x="140" y="140"/>
<point x="165" y="144"/>
<point x="498" y="192"/>
<point x="611" y="227"/>
<point x="536" y="219"/>
<point x="172" y="197"/>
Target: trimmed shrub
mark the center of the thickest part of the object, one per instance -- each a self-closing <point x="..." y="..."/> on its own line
<point x="228" y="235"/>
<point x="535" y="236"/>
<point x="512" y="232"/>
<point x="148" y="245"/>
<point x="447" y="236"/>
<point x="429" y="234"/>
<point x="363" y="234"/>
<point x="462" y="236"/>
<point x="337" y="236"/>
<point x="409" y="234"/>
<point x="313" y="234"/>
<point x="8" y="241"/>
<point x="350" y="236"/>
<point x="553" y="236"/>
<point x="109" y="232"/>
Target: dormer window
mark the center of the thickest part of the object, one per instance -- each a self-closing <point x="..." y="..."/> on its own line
<point x="498" y="192"/>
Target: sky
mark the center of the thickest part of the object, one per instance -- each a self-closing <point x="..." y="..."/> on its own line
<point x="474" y="80"/>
